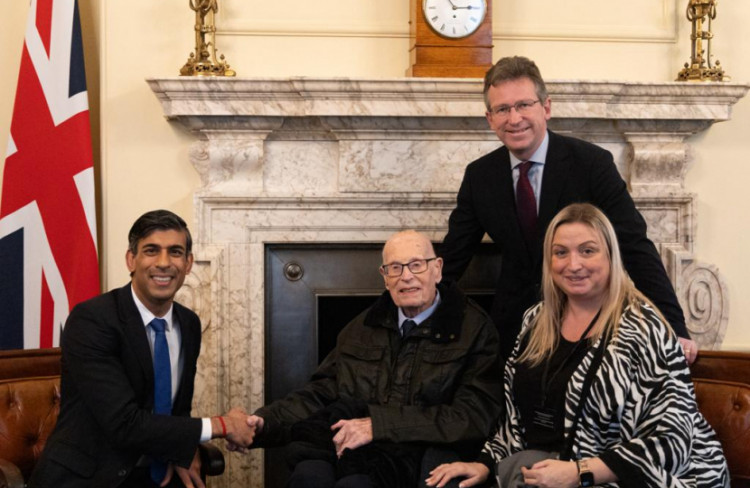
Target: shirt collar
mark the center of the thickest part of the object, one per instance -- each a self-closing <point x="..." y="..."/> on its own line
<point x="539" y="156"/>
<point x="423" y="315"/>
<point x="146" y="314"/>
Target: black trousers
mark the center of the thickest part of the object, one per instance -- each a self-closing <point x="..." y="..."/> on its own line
<point x="140" y="477"/>
<point x="315" y="473"/>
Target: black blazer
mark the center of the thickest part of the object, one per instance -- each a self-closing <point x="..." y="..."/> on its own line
<point x="106" y="422"/>
<point x="575" y="171"/>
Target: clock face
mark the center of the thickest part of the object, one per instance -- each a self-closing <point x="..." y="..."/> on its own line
<point x="454" y="18"/>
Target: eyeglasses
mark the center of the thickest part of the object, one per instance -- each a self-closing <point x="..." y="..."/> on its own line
<point x="522" y="108"/>
<point x="395" y="270"/>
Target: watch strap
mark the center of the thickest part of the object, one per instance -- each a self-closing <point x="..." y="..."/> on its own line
<point x="585" y="476"/>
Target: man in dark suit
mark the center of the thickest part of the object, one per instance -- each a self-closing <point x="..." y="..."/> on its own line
<point x="513" y="192"/>
<point x="128" y="365"/>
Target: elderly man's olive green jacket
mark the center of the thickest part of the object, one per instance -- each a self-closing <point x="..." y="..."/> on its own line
<point x="441" y="385"/>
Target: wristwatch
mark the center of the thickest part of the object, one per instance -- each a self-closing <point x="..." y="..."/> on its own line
<point x="585" y="475"/>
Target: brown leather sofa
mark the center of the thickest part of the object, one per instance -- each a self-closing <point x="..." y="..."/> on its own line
<point x="29" y="405"/>
<point x="30" y="402"/>
<point x="722" y="386"/>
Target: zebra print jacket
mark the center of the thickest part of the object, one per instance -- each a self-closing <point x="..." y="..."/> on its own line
<point x="640" y="417"/>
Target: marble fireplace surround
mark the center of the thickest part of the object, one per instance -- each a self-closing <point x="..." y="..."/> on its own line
<point x="308" y="160"/>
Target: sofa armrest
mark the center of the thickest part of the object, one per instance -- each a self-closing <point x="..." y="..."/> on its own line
<point x="212" y="460"/>
<point x="10" y="475"/>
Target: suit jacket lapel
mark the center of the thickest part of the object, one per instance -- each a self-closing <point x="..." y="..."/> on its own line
<point x="135" y="332"/>
<point x="506" y="216"/>
<point x="189" y="337"/>
<point x="554" y="179"/>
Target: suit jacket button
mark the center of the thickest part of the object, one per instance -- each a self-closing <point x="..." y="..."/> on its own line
<point x="437" y="336"/>
<point x="122" y="472"/>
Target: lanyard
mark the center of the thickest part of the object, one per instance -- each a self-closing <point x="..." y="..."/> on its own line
<point x="545" y="383"/>
<point x="567" y="453"/>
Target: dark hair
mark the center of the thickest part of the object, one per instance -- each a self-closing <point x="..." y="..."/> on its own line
<point x="513" y="68"/>
<point x="157" y="220"/>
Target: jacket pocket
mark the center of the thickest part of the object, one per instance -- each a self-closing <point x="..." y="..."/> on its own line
<point x="362" y="352"/>
<point x="439" y="375"/>
<point x="360" y="369"/>
<point x="72" y="458"/>
<point x="445" y="355"/>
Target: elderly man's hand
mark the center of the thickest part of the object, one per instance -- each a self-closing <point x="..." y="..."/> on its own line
<point x="255" y="423"/>
<point x="352" y="434"/>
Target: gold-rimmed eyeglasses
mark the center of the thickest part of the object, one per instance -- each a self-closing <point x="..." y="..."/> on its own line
<point x="522" y="108"/>
<point x="416" y="266"/>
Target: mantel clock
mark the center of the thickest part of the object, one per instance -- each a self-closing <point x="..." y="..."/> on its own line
<point x="450" y="38"/>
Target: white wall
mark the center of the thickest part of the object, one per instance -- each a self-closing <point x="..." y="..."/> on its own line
<point x="144" y="159"/>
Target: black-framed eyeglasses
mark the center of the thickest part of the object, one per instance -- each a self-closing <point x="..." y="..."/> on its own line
<point x="523" y="107"/>
<point x="416" y="266"/>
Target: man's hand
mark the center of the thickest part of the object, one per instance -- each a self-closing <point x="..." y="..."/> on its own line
<point x="191" y="477"/>
<point x="239" y="433"/>
<point x="255" y="423"/>
<point x="690" y="348"/>
<point x="352" y="434"/>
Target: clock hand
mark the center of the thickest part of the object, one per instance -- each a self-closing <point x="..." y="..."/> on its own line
<point x="467" y="7"/>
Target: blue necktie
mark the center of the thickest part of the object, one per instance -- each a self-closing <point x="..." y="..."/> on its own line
<point x="162" y="386"/>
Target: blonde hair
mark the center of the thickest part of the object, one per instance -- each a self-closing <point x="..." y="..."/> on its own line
<point x="620" y="292"/>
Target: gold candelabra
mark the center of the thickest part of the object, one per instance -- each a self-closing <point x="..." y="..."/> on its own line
<point x="203" y="61"/>
<point x="700" y="67"/>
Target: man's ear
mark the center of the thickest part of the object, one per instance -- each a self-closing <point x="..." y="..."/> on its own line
<point x="130" y="260"/>
<point x="385" y="279"/>
<point x="189" y="263"/>
<point x="439" y="269"/>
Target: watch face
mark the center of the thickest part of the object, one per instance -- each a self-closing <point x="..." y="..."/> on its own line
<point x="587" y="479"/>
<point x="454" y="18"/>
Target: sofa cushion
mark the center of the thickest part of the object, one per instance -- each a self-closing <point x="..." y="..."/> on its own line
<point x="726" y="406"/>
<point x="28" y="412"/>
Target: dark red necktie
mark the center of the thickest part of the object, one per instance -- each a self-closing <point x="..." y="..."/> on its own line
<point x="526" y="203"/>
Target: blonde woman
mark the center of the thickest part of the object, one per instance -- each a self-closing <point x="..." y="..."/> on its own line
<point x="597" y="391"/>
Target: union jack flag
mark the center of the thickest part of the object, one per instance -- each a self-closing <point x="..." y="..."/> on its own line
<point x="48" y="254"/>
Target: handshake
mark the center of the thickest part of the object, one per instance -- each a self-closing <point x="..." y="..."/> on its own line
<point x="237" y="427"/>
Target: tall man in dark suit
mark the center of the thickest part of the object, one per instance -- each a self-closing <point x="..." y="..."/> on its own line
<point x="513" y="192"/>
<point x="128" y="364"/>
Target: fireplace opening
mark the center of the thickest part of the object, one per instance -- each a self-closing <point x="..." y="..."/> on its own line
<point x="311" y="292"/>
<point x="334" y="312"/>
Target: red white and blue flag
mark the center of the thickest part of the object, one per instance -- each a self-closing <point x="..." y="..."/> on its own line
<point x="48" y="254"/>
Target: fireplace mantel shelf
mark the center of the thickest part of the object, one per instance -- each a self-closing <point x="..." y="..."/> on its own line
<point x="429" y="97"/>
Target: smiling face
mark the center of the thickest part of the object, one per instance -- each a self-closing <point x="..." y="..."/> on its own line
<point x="580" y="264"/>
<point x="521" y="134"/>
<point x="158" y="268"/>
<point x="413" y="293"/>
